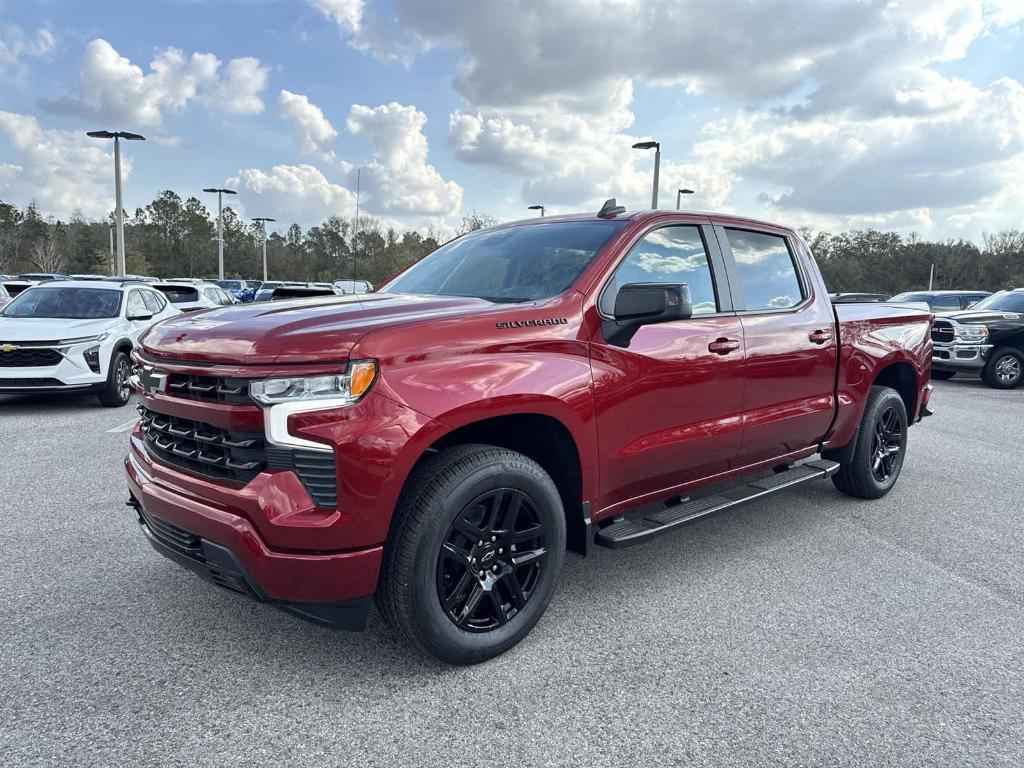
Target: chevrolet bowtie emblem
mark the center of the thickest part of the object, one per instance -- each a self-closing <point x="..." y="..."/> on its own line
<point x="8" y="347"/>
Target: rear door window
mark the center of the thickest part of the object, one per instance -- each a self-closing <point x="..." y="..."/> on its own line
<point x="768" y="275"/>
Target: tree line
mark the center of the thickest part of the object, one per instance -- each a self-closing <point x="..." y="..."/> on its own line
<point x="172" y="237"/>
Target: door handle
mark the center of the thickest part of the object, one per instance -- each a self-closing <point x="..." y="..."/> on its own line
<point x="820" y="336"/>
<point x="723" y="346"/>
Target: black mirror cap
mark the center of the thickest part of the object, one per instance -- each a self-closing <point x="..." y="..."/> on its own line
<point x="645" y="303"/>
<point x="141" y="316"/>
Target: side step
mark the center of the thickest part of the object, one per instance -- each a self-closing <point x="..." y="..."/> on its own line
<point x="626" y="533"/>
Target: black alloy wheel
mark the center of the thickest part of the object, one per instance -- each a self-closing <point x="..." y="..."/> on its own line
<point x="491" y="560"/>
<point x="879" y="447"/>
<point x="474" y="552"/>
<point x="886" y="444"/>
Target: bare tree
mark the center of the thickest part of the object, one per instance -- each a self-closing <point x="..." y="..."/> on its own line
<point x="45" y="256"/>
<point x="474" y="221"/>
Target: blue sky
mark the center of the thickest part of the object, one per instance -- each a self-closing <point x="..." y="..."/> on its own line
<point x="826" y="113"/>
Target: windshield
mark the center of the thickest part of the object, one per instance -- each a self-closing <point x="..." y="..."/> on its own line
<point x="521" y="263"/>
<point x="231" y="284"/>
<point x="178" y="294"/>
<point x="65" y="303"/>
<point x="1006" y="301"/>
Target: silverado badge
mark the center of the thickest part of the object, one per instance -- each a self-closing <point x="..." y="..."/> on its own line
<point x="8" y="347"/>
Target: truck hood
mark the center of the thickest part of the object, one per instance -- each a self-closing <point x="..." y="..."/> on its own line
<point x="52" y="328"/>
<point x="296" y="331"/>
<point x="979" y="316"/>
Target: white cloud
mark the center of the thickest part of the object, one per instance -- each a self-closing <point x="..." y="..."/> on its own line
<point x="15" y="45"/>
<point x="238" y="91"/>
<point x="314" y="133"/>
<point x="398" y="179"/>
<point x="289" y="193"/>
<point x="61" y="170"/>
<point x="110" y="87"/>
<point x="347" y="14"/>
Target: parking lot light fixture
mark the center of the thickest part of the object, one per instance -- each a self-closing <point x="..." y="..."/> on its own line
<point x="679" y="196"/>
<point x="117" y="136"/>
<point x="656" y="146"/>
<point x="536" y="208"/>
<point x="263" y="223"/>
<point x="220" y="225"/>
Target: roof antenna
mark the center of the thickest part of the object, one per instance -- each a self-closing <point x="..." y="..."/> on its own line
<point x="610" y="210"/>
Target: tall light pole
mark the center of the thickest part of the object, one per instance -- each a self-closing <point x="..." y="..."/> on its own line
<point x="536" y="208"/>
<point x="117" y="136"/>
<point x="656" y="146"/>
<point x="263" y="223"/>
<point x="220" y="226"/>
<point x="679" y="196"/>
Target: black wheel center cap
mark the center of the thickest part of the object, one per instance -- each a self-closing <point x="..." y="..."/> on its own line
<point x="487" y="555"/>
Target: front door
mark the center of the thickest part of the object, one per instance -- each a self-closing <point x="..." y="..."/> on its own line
<point x="669" y="401"/>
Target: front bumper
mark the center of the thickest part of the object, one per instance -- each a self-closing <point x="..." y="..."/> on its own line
<point x="70" y="374"/>
<point x="329" y="588"/>
<point x="960" y="357"/>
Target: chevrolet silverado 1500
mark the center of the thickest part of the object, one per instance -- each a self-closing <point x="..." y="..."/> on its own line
<point x="525" y="390"/>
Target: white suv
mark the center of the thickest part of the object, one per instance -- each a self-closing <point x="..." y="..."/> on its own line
<point x="76" y="336"/>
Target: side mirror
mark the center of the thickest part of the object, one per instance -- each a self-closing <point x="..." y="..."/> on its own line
<point x="146" y="315"/>
<point x="639" y="304"/>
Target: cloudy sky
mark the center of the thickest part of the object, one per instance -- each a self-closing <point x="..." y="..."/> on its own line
<point x="904" y="114"/>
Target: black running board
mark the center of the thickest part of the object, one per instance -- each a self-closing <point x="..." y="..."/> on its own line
<point x="626" y="533"/>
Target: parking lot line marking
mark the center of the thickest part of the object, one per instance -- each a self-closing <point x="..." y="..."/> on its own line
<point x="124" y="427"/>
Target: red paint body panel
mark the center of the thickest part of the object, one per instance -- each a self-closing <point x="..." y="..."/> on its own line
<point x="663" y="416"/>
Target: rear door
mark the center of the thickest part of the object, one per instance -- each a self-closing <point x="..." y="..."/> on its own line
<point x="789" y="335"/>
<point x="669" y="400"/>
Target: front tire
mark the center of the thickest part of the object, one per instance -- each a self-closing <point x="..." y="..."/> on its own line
<point x="117" y="392"/>
<point x="474" y="553"/>
<point x="1004" y="369"/>
<point x="880" y="449"/>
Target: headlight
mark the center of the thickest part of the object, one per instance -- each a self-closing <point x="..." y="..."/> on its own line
<point x="347" y="387"/>
<point x="970" y="333"/>
<point x="83" y="340"/>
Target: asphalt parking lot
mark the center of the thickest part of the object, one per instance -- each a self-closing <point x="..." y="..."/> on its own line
<point x="807" y="630"/>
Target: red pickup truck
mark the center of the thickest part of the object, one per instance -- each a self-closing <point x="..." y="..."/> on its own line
<point x="525" y="390"/>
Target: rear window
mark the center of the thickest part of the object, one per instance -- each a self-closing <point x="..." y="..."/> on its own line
<point x="178" y="294"/>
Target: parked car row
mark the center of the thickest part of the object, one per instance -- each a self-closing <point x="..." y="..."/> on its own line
<point x="211" y="293"/>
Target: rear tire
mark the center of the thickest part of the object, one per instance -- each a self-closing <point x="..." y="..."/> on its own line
<point x="474" y="553"/>
<point x="880" y="448"/>
<point x="1004" y="369"/>
<point x="116" y="392"/>
<point x="942" y="375"/>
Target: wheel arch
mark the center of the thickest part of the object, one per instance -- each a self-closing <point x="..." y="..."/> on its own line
<point x="900" y="376"/>
<point x="542" y="437"/>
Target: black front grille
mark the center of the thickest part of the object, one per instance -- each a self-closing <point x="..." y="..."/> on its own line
<point x="27" y="357"/>
<point x="216" y="388"/>
<point x="31" y="383"/>
<point x="218" y="453"/>
<point x="203" y="448"/>
<point x="942" y="332"/>
<point x="181" y="541"/>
